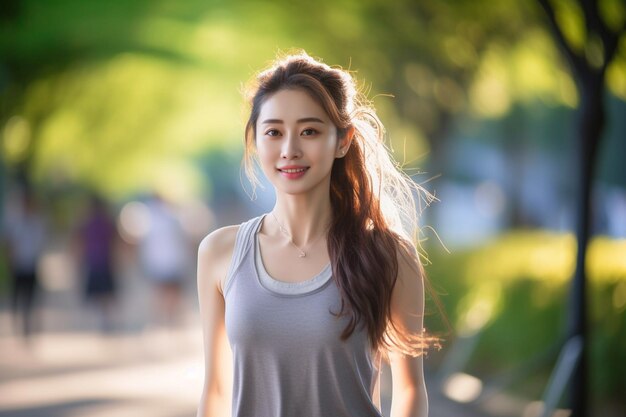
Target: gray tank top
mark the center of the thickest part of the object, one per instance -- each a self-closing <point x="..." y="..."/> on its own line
<point x="288" y="357"/>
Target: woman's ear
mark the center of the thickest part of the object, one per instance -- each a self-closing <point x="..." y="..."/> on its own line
<point x="345" y="142"/>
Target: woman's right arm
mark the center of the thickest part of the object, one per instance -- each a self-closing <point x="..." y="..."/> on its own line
<point x="214" y="257"/>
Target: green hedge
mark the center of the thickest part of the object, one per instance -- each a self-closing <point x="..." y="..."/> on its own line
<point x="514" y="290"/>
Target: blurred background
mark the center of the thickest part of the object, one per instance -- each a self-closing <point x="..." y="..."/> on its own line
<point x="121" y="126"/>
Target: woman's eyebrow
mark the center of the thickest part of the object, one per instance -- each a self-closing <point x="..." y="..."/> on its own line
<point x="303" y="120"/>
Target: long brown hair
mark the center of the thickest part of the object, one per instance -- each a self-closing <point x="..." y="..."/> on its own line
<point x="374" y="213"/>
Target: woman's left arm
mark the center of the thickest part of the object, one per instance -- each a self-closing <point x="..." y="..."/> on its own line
<point x="409" y="397"/>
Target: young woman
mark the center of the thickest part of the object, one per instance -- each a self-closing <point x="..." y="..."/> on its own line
<point x="312" y="295"/>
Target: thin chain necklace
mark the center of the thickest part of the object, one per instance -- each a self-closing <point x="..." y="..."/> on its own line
<point x="302" y="253"/>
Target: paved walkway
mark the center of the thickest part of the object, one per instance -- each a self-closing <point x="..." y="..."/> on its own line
<point x="152" y="373"/>
<point x="70" y="370"/>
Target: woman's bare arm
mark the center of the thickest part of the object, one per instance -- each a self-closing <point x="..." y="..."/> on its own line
<point x="409" y="397"/>
<point x="214" y="257"/>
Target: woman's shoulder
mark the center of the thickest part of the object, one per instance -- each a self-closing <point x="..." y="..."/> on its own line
<point x="409" y="259"/>
<point x="222" y="241"/>
<point x="219" y="240"/>
<point x="215" y="252"/>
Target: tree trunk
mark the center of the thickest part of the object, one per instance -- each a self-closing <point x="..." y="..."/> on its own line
<point x="591" y="124"/>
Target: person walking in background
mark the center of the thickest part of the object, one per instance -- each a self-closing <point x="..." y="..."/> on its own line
<point x="163" y="255"/>
<point x="24" y="238"/>
<point x="97" y="237"/>
<point x="311" y="296"/>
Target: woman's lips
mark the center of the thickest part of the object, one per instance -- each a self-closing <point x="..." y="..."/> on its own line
<point x="293" y="172"/>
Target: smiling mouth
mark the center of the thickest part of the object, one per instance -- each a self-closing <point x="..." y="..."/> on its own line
<point x="292" y="170"/>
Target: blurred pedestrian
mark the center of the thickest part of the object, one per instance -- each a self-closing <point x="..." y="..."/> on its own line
<point x="163" y="254"/>
<point x="24" y="238"/>
<point x="97" y="237"/>
<point x="312" y="295"/>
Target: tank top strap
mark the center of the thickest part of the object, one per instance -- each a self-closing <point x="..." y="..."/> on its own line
<point x="244" y="242"/>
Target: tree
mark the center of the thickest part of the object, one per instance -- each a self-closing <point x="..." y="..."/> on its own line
<point x="588" y="66"/>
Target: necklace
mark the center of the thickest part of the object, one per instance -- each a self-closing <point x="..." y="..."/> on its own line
<point x="302" y="253"/>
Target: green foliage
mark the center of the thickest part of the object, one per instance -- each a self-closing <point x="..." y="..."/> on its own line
<point x="116" y="95"/>
<point x="514" y="291"/>
<point x="121" y="96"/>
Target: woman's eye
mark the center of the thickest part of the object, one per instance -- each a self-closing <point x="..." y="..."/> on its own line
<point x="272" y="132"/>
<point x="309" y="132"/>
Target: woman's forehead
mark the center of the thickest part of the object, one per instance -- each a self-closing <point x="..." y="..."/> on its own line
<point x="290" y="106"/>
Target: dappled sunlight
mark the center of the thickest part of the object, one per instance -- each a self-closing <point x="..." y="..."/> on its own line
<point x="176" y="179"/>
<point x="607" y="259"/>
<point x="129" y="118"/>
<point x="478" y="308"/>
<point x="540" y="256"/>
<point x="571" y="21"/>
<point x="525" y="73"/>
<point x="490" y="94"/>
<point x="462" y="387"/>
<point x="616" y="77"/>
<point x="546" y="257"/>
<point x="17" y="136"/>
<point x="536" y="255"/>
<point x="535" y="409"/>
<point x="133" y="221"/>
<point x="227" y="47"/>
<point x="536" y="76"/>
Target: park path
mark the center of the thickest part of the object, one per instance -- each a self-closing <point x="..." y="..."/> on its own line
<point x="156" y="373"/>
<point x="70" y="370"/>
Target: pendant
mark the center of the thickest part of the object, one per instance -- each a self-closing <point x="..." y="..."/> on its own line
<point x="302" y="255"/>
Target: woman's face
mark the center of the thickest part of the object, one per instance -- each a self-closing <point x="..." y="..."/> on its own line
<point x="296" y="142"/>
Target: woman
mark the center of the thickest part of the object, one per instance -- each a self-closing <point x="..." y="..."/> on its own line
<point x="314" y="294"/>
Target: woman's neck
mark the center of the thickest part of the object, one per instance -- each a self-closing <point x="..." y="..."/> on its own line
<point x="305" y="218"/>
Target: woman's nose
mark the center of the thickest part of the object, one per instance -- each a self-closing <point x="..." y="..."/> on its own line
<point x="291" y="147"/>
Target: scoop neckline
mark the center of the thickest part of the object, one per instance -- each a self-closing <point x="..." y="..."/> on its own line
<point x="308" y="286"/>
